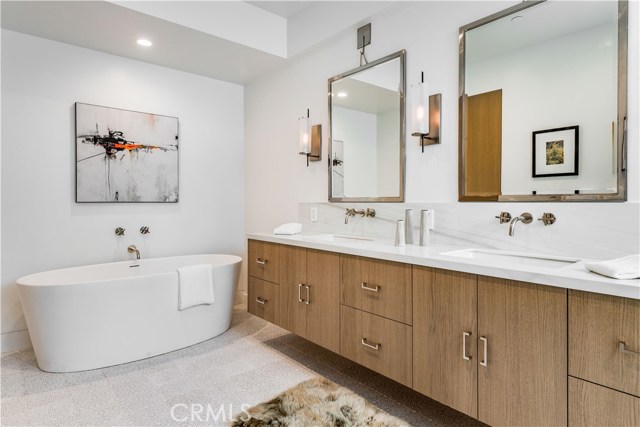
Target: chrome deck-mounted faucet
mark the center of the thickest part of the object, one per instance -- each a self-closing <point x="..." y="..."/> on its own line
<point x="131" y="249"/>
<point x="525" y="218"/>
<point x="350" y="212"/>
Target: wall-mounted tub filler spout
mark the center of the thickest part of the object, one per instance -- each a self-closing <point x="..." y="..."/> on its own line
<point x="525" y="218"/>
<point x="131" y="249"/>
<point x="363" y="213"/>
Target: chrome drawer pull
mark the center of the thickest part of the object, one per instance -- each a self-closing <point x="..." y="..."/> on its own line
<point x="373" y="346"/>
<point x="300" y="285"/>
<point x="261" y="261"/>
<point x="261" y="300"/>
<point x="624" y="350"/>
<point x="364" y="286"/>
<point x="464" y="345"/>
<point x="486" y="344"/>
<point x="308" y="299"/>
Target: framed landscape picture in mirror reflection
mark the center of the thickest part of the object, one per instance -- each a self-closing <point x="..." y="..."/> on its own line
<point x="555" y="152"/>
<point x="125" y="156"/>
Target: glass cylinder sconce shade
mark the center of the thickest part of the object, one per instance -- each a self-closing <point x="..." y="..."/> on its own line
<point x="420" y="108"/>
<point x="305" y="136"/>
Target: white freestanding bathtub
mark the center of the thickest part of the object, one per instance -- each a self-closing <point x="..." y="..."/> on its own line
<point x="101" y="315"/>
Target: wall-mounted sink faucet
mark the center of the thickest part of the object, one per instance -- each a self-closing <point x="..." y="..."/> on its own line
<point x="363" y="213"/>
<point x="525" y="218"/>
<point x="131" y="249"/>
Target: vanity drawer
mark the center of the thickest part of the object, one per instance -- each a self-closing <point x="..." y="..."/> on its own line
<point x="263" y="299"/>
<point x="598" y="325"/>
<point x="378" y="287"/>
<point x="593" y="405"/>
<point x="264" y="261"/>
<point x="379" y="344"/>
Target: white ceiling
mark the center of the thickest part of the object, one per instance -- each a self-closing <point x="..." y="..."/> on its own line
<point x="233" y="40"/>
<point x="286" y="9"/>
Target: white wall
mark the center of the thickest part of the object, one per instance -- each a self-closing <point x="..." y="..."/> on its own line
<point x="543" y="88"/>
<point x="43" y="228"/>
<point x="277" y="179"/>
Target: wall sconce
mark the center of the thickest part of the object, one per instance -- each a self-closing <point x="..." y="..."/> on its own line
<point x="310" y="139"/>
<point x="425" y="114"/>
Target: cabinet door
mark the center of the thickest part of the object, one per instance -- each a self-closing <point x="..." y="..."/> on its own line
<point x="323" y="310"/>
<point x="523" y="328"/>
<point x="380" y="344"/>
<point x="292" y="278"/>
<point x="592" y="405"/>
<point x="597" y="326"/>
<point x="263" y="299"/>
<point x="378" y="287"/>
<point x="264" y="261"/>
<point x="444" y="357"/>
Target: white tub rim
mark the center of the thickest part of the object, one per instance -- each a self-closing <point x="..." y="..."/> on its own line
<point x="24" y="280"/>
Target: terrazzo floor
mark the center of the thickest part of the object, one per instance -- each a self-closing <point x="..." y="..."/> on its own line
<point x="205" y="384"/>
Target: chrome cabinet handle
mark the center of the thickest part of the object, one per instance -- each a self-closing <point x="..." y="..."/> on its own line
<point x="261" y="261"/>
<point x="308" y="299"/>
<point x="373" y="346"/>
<point x="300" y="285"/>
<point x="464" y="345"/>
<point x="625" y="351"/>
<point x="364" y="286"/>
<point x="261" y="300"/>
<point x="484" y="357"/>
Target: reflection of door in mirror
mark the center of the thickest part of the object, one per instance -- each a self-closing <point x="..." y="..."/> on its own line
<point x="483" y="151"/>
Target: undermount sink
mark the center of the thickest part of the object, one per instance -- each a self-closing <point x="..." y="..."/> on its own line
<point x="336" y="238"/>
<point x="511" y="257"/>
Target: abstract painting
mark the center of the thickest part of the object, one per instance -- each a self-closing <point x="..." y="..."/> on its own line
<point x="125" y="156"/>
<point x="555" y="152"/>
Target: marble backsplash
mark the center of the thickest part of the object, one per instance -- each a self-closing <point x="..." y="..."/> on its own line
<point x="583" y="230"/>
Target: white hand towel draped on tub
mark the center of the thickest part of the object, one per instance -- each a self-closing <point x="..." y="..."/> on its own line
<point x="621" y="268"/>
<point x="195" y="286"/>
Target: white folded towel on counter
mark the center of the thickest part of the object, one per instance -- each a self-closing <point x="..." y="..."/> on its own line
<point x="195" y="286"/>
<point x="620" y="268"/>
<point x="289" y="228"/>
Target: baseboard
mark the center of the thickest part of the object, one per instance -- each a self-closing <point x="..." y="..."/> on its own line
<point x="12" y="341"/>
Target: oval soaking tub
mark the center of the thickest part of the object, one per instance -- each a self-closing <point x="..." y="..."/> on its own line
<point x="106" y="314"/>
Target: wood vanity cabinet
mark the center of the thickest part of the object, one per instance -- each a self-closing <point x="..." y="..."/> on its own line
<point x="309" y="295"/>
<point x="604" y="382"/>
<point x="505" y="352"/>
<point x="376" y="316"/>
<point x="378" y="287"/>
<point x="491" y="348"/>
<point x="445" y="311"/>
<point x="264" y="274"/>
<point x="264" y="261"/>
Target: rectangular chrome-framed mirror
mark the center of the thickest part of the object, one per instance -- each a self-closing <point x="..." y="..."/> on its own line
<point x="367" y="133"/>
<point x="480" y="183"/>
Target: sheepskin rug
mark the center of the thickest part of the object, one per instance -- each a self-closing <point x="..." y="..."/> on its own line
<point x="317" y="403"/>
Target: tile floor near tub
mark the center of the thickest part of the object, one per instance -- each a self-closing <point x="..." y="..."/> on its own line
<point x="248" y="364"/>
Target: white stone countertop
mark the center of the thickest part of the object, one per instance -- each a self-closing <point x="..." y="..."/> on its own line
<point x="570" y="276"/>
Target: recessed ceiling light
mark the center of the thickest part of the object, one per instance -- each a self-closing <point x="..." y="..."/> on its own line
<point x="516" y="18"/>
<point x="342" y="94"/>
<point x="144" y="42"/>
